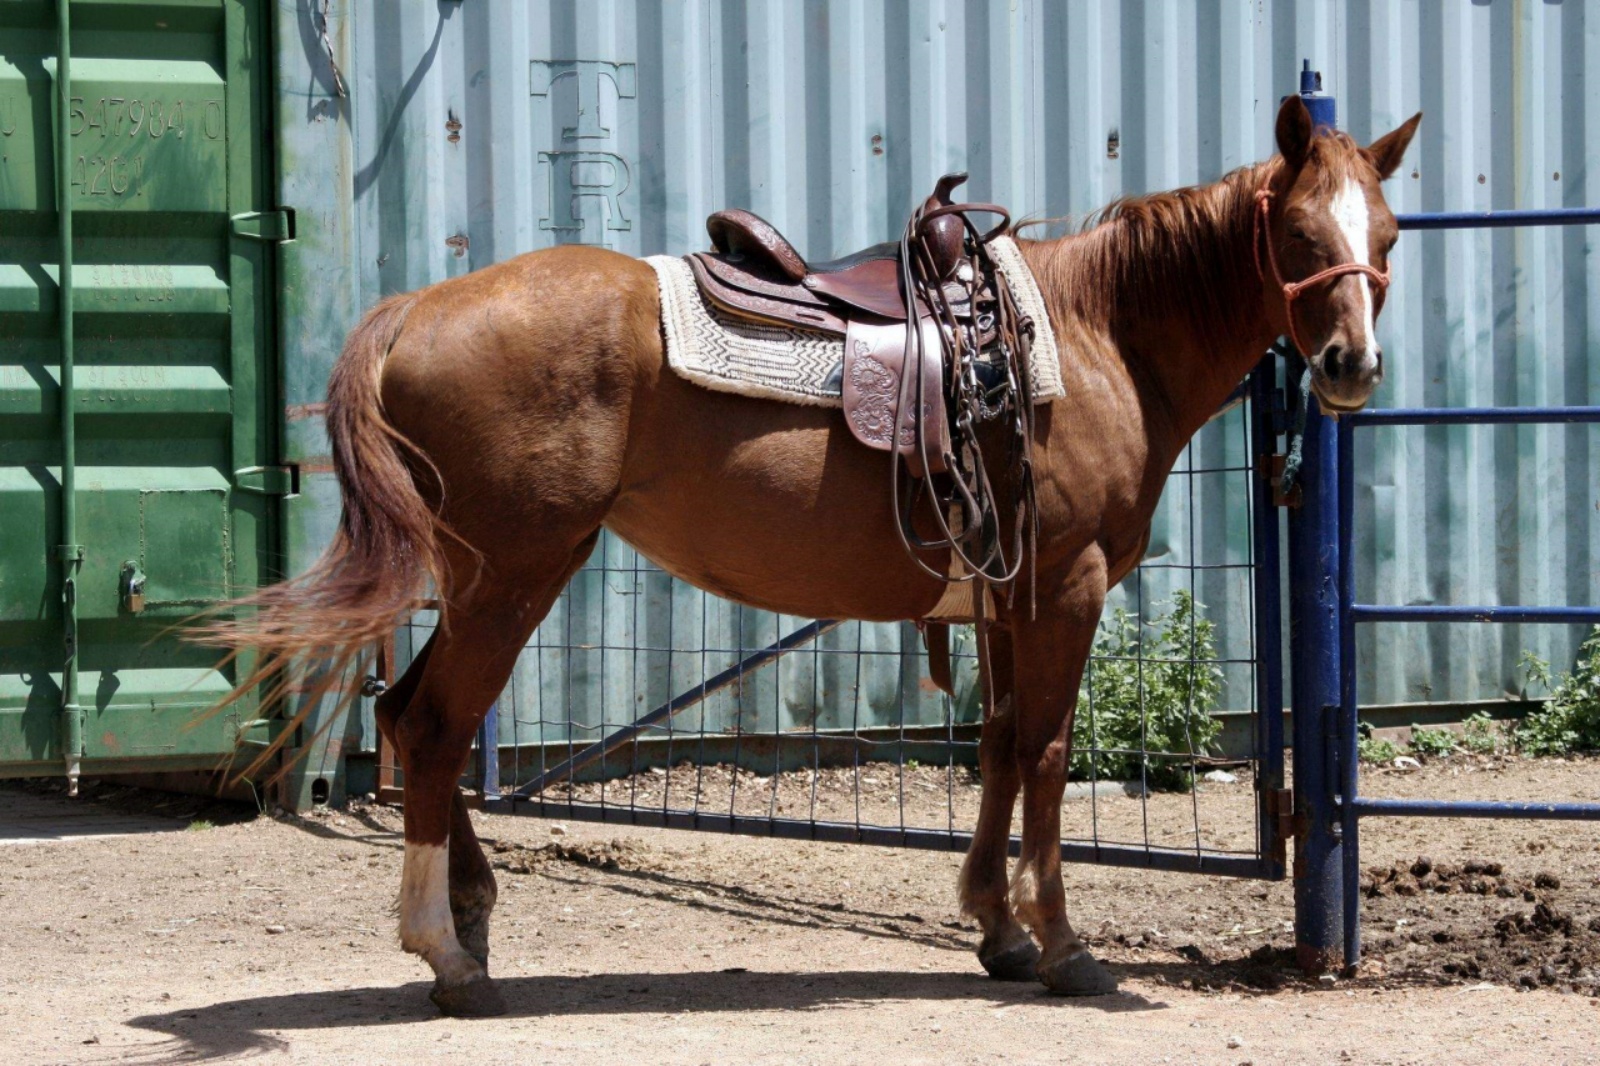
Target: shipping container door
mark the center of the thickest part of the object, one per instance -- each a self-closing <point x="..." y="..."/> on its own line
<point x="173" y="355"/>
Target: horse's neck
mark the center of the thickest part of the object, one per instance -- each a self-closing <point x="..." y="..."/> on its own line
<point x="1181" y="304"/>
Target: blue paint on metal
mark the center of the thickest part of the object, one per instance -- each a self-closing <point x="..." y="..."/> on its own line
<point x="1324" y="109"/>
<point x="1349" y="713"/>
<point x="1551" y="216"/>
<point x="1351" y="806"/>
<point x="1314" y="672"/>
<point x="1475" y="416"/>
<point x="1422" y="808"/>
<point x="1376" y="612"/>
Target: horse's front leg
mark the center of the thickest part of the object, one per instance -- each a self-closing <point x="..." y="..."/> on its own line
<point x="1051" y="652"/>
<point x="1007" y="952"/>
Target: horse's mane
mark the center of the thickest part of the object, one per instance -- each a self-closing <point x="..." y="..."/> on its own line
<point x="1187" y="249"/>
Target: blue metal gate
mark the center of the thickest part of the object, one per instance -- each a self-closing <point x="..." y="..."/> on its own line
<point x="1323" y="615"/>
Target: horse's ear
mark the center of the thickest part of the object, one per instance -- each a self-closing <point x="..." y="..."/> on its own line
<point x="1386" y="152"/>
<point x="1294" y="131"/>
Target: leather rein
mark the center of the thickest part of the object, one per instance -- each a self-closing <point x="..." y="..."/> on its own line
<point x="967" y="489"/>
<point x="1292" y="289"/>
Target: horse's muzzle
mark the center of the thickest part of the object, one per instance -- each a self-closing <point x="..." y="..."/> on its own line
<point x="1344" y="378"/>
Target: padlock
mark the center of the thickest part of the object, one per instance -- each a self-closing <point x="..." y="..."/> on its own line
<point x="132" y="587"/>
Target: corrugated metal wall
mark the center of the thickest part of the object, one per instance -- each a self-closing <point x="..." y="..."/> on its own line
<point x="477" y="131"/>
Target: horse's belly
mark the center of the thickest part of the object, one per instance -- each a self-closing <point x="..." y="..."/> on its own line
<point x="772" y="506"/>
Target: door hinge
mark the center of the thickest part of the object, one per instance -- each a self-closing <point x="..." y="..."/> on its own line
<point x="274" y="226"/>
<point x="1279" y="803"/>
<point x="268" y="480"/>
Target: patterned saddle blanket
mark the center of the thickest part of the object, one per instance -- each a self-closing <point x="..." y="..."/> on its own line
<point x="727" y="353"/>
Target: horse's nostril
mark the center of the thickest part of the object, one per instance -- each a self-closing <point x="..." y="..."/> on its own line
<point x="1332" y="358"/>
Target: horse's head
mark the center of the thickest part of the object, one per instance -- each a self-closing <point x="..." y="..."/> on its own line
<point x="1323" y="241"/>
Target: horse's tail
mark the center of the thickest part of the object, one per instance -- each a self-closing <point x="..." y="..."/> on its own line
<point x="308" y="631"/>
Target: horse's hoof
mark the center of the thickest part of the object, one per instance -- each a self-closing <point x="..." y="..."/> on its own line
<point x="478" y="998"/>
<point x="1019" y="962"/>
<point x="1079" y="974"/>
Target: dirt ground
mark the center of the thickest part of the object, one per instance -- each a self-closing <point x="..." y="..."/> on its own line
<point x="273" y="937"/>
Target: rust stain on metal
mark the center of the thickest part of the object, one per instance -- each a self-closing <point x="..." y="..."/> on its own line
<point x="459" y="243"/>
<point x="299" y="412"/>
<point x="453" y="128"/>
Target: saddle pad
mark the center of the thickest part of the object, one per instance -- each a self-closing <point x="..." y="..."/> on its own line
<point x="729" y="354"/>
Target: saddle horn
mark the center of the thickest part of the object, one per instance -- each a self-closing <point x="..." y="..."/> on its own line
<point x="943" y="235"/>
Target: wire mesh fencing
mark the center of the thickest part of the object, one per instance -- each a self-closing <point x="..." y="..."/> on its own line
<point x="642" y="700"/>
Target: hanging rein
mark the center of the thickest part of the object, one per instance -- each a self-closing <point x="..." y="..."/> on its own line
<point x="986" y="342"/>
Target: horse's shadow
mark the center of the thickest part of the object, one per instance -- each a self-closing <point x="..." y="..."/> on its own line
<point x="248" y="1026"/>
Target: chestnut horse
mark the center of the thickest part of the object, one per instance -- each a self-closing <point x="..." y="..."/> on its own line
<point x="486" y="428"/>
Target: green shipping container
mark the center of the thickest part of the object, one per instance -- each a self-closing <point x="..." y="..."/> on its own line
<point x="163" y="355"/>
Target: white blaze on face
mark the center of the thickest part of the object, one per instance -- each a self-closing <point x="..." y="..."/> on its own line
<point x="1349" y="210"/>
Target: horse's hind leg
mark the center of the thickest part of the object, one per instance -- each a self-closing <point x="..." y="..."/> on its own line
<point x="473" y="890"/>
<point x="469" y="659"/>
<point x="472" y="885"/>
<point x="1051" y="652"/>
<point x="1007" y="952"/>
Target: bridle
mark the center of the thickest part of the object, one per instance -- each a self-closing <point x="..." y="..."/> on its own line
<point x="1293" y="289"/>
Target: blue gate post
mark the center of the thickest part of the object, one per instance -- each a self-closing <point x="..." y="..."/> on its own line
<point x="1314" y="664"/>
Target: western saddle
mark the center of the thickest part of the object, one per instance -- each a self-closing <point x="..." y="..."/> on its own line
<point x="934" y="347"/>
<point x="755" y="272"/>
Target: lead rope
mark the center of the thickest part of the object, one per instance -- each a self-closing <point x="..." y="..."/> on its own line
<point x="1294" y="451"/>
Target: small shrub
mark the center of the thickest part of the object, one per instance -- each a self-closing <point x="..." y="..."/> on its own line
<point x="1165" y="707"/>
<point x="1569" y="721"/>
<point x="1482" y="735"/>
<point x="1535" y="672"/>
<point x="200" y="825"/>
<point x="1432" y="743"/>
<point x="1370" y="749"/>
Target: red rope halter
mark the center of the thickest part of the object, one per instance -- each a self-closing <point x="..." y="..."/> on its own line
<point x="1293" y="289"/>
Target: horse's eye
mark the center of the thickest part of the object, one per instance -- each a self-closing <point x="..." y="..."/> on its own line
<point x="1297" y="233"/>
